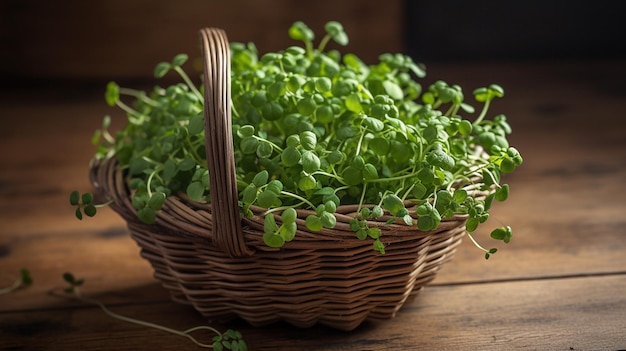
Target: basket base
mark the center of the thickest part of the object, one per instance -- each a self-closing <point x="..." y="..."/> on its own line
<point x="337" y="288"/>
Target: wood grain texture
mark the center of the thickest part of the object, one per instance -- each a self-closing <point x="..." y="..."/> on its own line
<point x="557" y="286"/>
<point x="557" y="314"/>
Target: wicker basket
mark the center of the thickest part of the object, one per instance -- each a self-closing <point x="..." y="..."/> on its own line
<point x="209" y="257"/>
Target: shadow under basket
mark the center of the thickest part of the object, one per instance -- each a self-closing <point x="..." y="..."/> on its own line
<point x="208" y="256"/>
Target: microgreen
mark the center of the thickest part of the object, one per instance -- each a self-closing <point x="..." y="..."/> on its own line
<point x="84" y="204"/>
<point x="229" y="340"/>
<point x="22" y="281"/>
<point x="314" y="129"/>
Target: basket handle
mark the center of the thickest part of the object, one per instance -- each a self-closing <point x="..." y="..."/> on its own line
<point x="226" y="220"/>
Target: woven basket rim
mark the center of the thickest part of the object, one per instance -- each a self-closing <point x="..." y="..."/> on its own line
<point x="178" y="210"/>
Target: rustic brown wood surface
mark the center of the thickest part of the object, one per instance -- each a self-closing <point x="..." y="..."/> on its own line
<point x="559" y="285"/>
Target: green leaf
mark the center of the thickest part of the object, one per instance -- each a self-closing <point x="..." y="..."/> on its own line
<point x="507" y="165"/>
<point x="195" y="190"/>
<point x="275" y="186"/>
<point x="370" y="172"/>
<point x="379" y="246"/>
<point x="310" y="162"/>
<point x="249" y="145"/>
<point x="90" y="210"/>
<point x="157" y="199"/>
<point x="147" y="215"/>
<point x="277" y="89"/>
<point x="373" y="124"/>
<point x="300" y="31"/>
<point x="352" y="175"/>
<point x="394" y="205"/>
<point x="408" y="220"/>
<point x="426" y="223"/>
<point x="471" y="224"/>
<point x="112" y="94"/>
<point x="377" y="211"/>
<point x="374" y="232"/>
<point x="308" y="140"/>
<point x="269" y="224"/>
<point x="26" y="277"/>
<point x="393" y="90"/>
<point x="290" y="156"/>
<point x="323" y="84"/>
<point x="379" y="145"/>
<point x="502" y="193"/>
<point x="313" y="223"/>
<point x="353" y="103"/>
<point x="161" y="69"/>
<point x="335" y="29"/>
<point x="481" y="94"/>
<point x="288" y="231"/>
<point x="69" y="278"/>
<point x="249" y="194"/>
<point x="324" y="114"/>
<point x="169" y="169"/>
<point x="245" y="131"/>
<point x="266" y="199"/>
<point x="295" y="82"/>
<point x="307" y="183"/>
<point x="330" y="206"/>
<point x="459" y="195"/>
<point x="289" y="215"/>
<point x="465" y="127"/>
<point x="139" y="200"/>
<point x="260" y="178"/>
<point x="273" y="240"/>
<point x="328" y="220"/>
<point x="196" y="125"/>
<point x="187" y="164"/>
<point x="361" y="233"/>
<point x="306" y="106"/>
<point x="272" y="111"/>
<point x="440" y="158"/>
<point x="502" y="233"/>
<point x="74" y="198"/>
<point x="87" y="198"/>
<point x="496" y="90"/>
<point x="179" y="60"/>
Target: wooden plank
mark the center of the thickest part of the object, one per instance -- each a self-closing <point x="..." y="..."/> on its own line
<point x="560" y="314"/>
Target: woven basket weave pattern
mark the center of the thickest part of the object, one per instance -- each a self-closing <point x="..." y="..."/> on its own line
<point x="208" y="257"/>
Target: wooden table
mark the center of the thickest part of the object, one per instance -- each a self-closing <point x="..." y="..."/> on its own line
<point x="559" y="285"/>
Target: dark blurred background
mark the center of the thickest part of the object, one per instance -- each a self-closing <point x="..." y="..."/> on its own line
<point x="84" y="42"/>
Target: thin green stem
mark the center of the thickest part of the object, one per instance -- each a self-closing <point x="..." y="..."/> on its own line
<point x="483" y="113"/>
<point x="140" y="95"/>
<point x="278" y="148"/>
<point x="309" y="49"/>
<point x="16" y="285"/>
<point x="358" y="146"/>
<point x="104" y="204"/>
<point x="298" y="197"/>
<point x="189" y="83"/>
<point x="131" y="111"/>
<point x="281" y="208"/>
<point x="325" y="174"/>
<point x="185" y="333"/>
<point x="476" y="243"/>
<point x="324" y="42"/>
<point x="452" y="110"/>
<point x="362" y="199"/>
